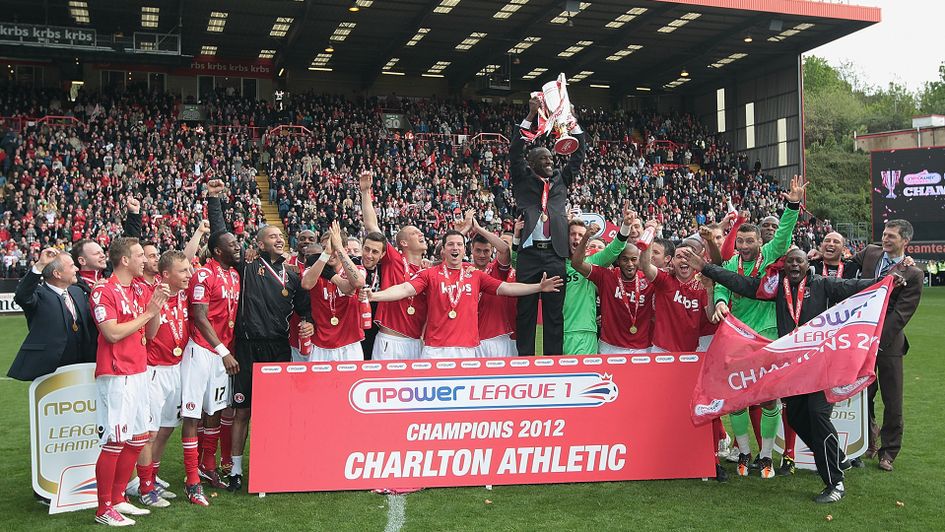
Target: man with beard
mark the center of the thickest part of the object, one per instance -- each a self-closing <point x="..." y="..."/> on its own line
<point x="751" y="259"/>
<point x="400" y="322"/>
<point x="372" y="251"/>
<point x="269" y="294"/>
<point x="626" y="300"/>
<point x="541" y="193"/>
<point x="801" y="296"/>
<point x="452" y="291"/>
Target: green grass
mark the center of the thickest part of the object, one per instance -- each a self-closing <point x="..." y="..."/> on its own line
<point x="742" y="503"/>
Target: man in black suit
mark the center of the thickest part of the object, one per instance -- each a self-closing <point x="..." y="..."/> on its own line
<point x="877" y="261"/>
<point x="64" y="332"/>
<point x="541" y="194"/>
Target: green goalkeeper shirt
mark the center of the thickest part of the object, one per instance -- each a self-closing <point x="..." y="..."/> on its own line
<point x="757" y="314"/>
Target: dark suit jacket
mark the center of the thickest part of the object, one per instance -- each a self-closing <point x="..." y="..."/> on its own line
<point x="527" y="189"/>
<point x="50" y="323"/>
<point x="902" y="302"/>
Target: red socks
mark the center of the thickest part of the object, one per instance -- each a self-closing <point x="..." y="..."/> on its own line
<point x="146" y="476"/>
<point x="755" y="413"/>
<point x="226" y="440"/>
<point x="790" y="437"/>
<point x="191" y="459"/>
<point x="126" y="464"/>
<point x="200" y="445"/>
<point x="210" y="438"/>
<point x="105" y="475"/>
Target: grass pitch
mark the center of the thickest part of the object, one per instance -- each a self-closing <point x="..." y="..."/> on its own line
<point x="908" y="499"/>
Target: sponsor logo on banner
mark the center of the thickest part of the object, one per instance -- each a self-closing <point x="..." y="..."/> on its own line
<point x="568" y="390"/>
<point x="922" y="178"/>
<point x="64" y="440"/>
<point x="7" y="304"/>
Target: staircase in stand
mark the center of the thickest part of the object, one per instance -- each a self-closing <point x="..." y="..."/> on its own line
<point x="270" y="210"/>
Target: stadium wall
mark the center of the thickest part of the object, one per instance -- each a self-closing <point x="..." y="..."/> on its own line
<point x="774" y="92"/>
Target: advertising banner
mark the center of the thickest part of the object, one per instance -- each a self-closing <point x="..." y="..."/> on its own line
<point x="64" y="442"/>
<point x="834" y="352"/>
<point x="909" y="184"/>
<point x="37" y="35"/>
<point x="415" y="424"/>
<point x="7" y="304"/>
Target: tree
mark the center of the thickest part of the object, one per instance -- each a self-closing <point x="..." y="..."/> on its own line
<point x="932" y="97"/>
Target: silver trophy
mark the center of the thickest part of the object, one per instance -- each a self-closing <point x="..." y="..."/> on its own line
<point x="554" y="116"/>
<point x="890" y="180"/>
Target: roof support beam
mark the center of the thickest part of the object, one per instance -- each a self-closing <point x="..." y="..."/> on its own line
<point x="371" y="73"/>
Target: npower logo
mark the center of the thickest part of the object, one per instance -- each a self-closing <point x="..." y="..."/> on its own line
<point x="496" y="392"/>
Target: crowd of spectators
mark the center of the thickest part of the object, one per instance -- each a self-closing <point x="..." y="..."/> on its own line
<point x="68" y="180"/>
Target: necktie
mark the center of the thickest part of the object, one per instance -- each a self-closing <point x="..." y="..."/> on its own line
<point x="546" y="228"/>
<point x="887" y="264"/>
<point x="69" y="305"/>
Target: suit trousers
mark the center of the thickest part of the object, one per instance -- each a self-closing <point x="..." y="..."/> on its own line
<point x="889" y="384"/>
<point x="532" y="263"/>
<point x="809" y="416"/>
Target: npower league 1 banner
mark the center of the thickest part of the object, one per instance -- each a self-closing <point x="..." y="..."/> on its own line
<point x="909" y="184"/>
<point x="64" y="443"/>
<point x="397" y="425"/>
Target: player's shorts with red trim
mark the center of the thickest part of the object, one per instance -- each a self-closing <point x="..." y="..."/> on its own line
<point x="164" y="388"/>
<point x="204" y="384"/>
<point x="123" y="406"/>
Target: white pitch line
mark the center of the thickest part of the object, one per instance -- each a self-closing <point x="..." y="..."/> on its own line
<point x="396" y="512"/>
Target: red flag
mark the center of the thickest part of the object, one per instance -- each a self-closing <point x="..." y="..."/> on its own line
<point x="834" y="352"/>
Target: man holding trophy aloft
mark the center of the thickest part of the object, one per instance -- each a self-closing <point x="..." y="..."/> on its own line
<point x="541" y="194"/>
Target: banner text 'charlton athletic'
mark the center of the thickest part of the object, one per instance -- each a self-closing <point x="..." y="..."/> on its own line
<point x="413" y="424"/>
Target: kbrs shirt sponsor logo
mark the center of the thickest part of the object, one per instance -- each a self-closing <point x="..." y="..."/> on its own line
<point x="499" y="392"/>
<point x="689" y="304"/>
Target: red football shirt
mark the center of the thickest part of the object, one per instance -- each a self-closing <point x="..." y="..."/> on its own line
<point x="294" y="320"/>
<point x="619" y="306"/>
<point x="111" y="301"/>
<point x="445" y="291"/>
<point x="493" y="308"/>
<point x="329" y="302"/>
<point x="680" y="312"/>
<point x="147" y="287"/>
<point x="395" y="315"/>
<point x="173" y="333"/>
<point x="219" y="289"/>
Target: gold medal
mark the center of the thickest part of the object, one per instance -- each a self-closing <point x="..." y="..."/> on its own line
<point x="633" y="329"/>
<point x="144" y="341"/>
<point x="178" y="351"/>
<point x="231" y="324"/>
<point x="335" y="320"/>
<point x="262" y="271"/>
<point x="411" y="310"/>
<point x="75" y="327"/>
<point x="452" y="314"/>
<point x="285" y="292"/>
<point x="544" y="216"/>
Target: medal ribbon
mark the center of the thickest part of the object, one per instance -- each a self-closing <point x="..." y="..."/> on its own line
<point x="636" y="296"/>
<point x="178" y="320"/>
<point x="457" y="287"/>
<point x="407" y="278"/>
<point x="838" y="275"/>
<point x="281" y="276"/>
<point x="135" y="311"/>
<point x="754" y="270"/>
<point x="796" y="316"/>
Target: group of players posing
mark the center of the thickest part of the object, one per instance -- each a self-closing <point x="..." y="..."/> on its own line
<point x="178" y="336"/>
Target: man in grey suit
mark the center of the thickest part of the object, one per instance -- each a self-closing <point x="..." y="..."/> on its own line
<point x="61" y="330"/>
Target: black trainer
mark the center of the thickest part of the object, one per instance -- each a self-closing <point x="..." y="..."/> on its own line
<point x="720" y="474"/>
<point x="788" y="467"/>
<point x="236" y="483"/>
<point x="831" y="494"/>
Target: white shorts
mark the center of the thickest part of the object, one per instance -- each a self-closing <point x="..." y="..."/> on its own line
<point x="339" y="354"/>
<point x="500" y="346"/>
<point x="390" y="347"/>
<point x="122" y="408"/>
<point x="164" y="385"/>
<point x="606" y="349"/>
<point x="654" y="349"/>
<point x="204" y="384"/>
<point x="297" y="356"/>
<point x="448" y="352"/>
